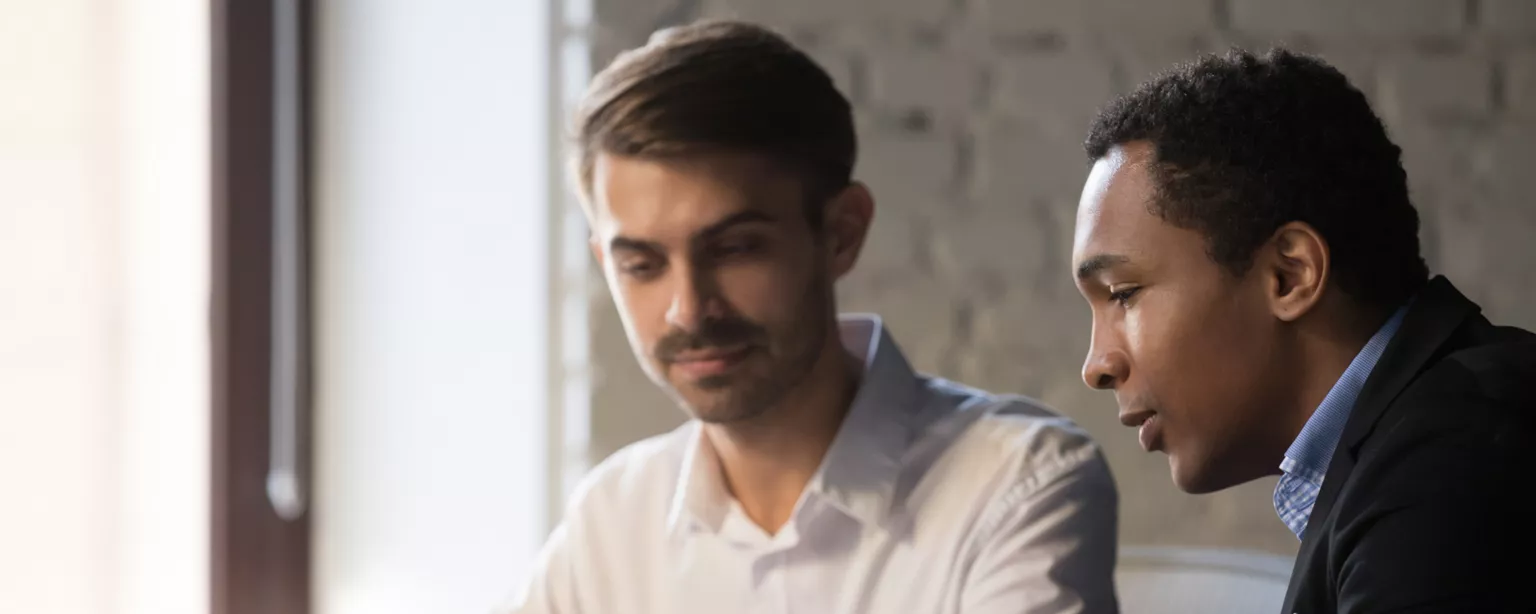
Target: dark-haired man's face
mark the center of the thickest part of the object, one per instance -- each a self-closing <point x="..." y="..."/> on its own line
<point x="1189" y="349"/>
<point x="724" y="289"/>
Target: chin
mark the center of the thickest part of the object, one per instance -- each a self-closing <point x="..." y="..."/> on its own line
<point x="715" y="407"/>
<point x="1202" y="478"/>
<point x="722" y="415"/>
<point x="1192" y="478"/>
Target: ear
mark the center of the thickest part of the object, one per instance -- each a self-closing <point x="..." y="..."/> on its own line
<point x="1297" y="263"/>
<point x="597" y="250"/>
<point x="845" y="224"/>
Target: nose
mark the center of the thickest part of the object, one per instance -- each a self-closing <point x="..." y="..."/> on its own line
<point x="1106" y="366"/>
<point x="694" y="300"/>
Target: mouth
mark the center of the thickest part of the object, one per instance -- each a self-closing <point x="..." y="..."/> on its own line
<point x="711" y="362"/>
<point x="1149" y="428"/>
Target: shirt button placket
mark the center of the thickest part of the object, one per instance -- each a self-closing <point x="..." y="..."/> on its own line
<point x="770" y="594"/>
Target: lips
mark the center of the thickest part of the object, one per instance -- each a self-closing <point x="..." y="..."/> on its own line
<point x="1149" y="428"/>
<point x="710" y="362"/>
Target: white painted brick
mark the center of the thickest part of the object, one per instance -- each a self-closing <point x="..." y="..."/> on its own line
<point x="1045" y="295"/>
<point x="916" y="11"/>
<point x="608" y="43"/>
<point x="920" y="165"/>
<point x="1030" y="338"/>
<point x="915" y="79"/>
<point x="1431" y="149"/>
<point x="1033" y="15"/>
<point x="918" y="311"/>
<point x="839" y="66"/>
<point x="1514" y="18"/>
<point x="1520" y="84"/>
<point x="1413" y="86"/>
<point x="1338" y="18"/>
<point x="1511" y="160"/>
<point x="1017" y="162"/>
<point x="1011" y="242"/>
<point x="896" y="244"/>
<point x="1438" y="156"/>
<point x="637" y="14"/>
<point x="1144" y="64"/>
<point x="1486" y="248"/>
<point x="803" y="12"/>
<point x="1361" y="68"/>
<point x="1138" y="19"/>
<point x="1052" y="88"/>
<point x="1142" y="19"/>
<point x="912" y="178"/>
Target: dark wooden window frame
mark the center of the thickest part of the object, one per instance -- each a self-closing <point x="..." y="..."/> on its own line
<point x="260" y="355"/>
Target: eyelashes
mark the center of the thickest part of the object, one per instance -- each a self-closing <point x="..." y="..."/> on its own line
<point x="1123" y="297"/>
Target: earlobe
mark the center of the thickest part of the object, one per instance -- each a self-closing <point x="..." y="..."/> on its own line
<point x="1299" y="263"/>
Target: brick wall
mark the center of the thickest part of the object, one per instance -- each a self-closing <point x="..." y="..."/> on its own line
<point x="971" y="114"/>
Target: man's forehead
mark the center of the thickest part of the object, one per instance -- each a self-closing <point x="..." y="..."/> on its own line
<point x="1113" y="201"/>
<point x="673" y="200"/>
<point x="673" y="228"/>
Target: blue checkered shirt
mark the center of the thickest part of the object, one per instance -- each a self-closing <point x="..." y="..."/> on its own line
<point x="1306" y="461"/>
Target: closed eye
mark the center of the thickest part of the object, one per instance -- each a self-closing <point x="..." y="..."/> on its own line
<point x="640" y="268"/>
<point x="735" y="248"/>
<point x="1123" y="297"/>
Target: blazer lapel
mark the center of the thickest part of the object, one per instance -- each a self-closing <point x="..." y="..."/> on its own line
<point x="1435" y="314"/>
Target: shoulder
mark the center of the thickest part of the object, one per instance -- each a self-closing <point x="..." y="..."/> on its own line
<point x="640" y="475"/>
<point x="1478" y="397"/>
<point x="1500" y="369"/>
<point x="1441" y="471"/>
<point x="1468" y="414"/>
<point x="1027" y="443"/>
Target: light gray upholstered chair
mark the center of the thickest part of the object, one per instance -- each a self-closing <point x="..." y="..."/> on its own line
<point x="1183" y="580"/>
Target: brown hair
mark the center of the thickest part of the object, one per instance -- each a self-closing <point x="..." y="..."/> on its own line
<point x="720" y="85"/>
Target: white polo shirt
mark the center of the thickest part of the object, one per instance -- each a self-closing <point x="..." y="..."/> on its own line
<point x="933" y="498"/>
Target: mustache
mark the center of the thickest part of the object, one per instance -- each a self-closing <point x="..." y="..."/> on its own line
<point x="722" y="332"/>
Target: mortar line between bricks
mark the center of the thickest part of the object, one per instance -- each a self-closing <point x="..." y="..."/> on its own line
<point x="1221" y="15"/>
<point x="1496" y="86"/>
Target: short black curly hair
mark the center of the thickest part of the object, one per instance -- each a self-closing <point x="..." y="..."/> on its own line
<point x="1245" y="144"/>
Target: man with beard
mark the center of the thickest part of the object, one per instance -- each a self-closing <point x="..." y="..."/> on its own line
<point x="820" y="473"/>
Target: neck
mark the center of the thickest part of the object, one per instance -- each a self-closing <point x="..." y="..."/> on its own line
<point x="1328" y="345"/>
<point x="768" y="461"/>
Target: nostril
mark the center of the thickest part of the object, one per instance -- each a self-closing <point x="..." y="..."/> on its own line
<point x="1105" y="381"/>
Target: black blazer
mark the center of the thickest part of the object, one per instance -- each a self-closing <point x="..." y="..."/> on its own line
<point x="1429" y="503"/>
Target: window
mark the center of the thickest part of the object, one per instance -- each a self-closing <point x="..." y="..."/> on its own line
<point x="294" y="304"/>
<point x="103" y="307"/>
<point x="438" y="305"/>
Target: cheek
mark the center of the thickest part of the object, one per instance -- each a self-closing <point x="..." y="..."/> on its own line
<point x="1198" y="364"/>
<point x="766" y="292"/>
<point x="642" y="309"/>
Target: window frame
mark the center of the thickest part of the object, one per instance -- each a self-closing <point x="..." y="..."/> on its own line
<point x="260" y="561"/>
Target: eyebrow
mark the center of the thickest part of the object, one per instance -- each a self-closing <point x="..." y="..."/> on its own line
<point x="1095" y="265"/>
<point x="633" y="245"/>
<point x="737" y="219"/>
<point x="742" y="217"/>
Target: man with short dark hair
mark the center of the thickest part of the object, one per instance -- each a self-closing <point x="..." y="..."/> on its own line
<point x="1248" y="247"/>
<point x="820" y="473"/>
